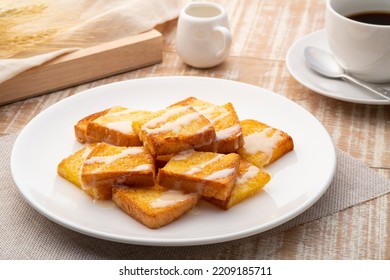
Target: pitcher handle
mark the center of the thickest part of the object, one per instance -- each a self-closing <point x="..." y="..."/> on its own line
<point x="227" y="40"/>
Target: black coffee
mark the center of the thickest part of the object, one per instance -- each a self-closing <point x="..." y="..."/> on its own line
<point x="374" y="17"/>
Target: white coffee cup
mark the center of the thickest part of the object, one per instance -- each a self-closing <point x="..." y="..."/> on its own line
<point x="203" y="36"/>
<point x="362" y="49"/>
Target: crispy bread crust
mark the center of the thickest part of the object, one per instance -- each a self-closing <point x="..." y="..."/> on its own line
<point x="104" y="134"/>
<point x="80" y="128"/>
<point x="99" y="128"/>
<point x="217" y="188"/>
<point x="140" y="209"/>
<point x="160" y="145"/>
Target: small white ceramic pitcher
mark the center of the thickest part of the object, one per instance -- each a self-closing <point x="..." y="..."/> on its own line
<point x="203" y="37"/>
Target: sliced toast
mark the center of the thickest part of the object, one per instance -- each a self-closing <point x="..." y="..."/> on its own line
<point x="173" y="130"/>
<point x="227" y="126"/>
<point x="154" y="206"/>
<point x="210" y="174"/>
<point x="108" y="165"/>
<point x="115" y="127"/>
<point x="70" y="169"/>
<point x="250" y="180"/>
<point x="263" y="144"/>
<point x="80" y="128"/>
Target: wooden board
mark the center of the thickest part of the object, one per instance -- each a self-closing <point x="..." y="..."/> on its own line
<point x="85" y="65"/>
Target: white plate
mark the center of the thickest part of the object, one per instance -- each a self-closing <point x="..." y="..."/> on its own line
<point x="298" y="179"/>
<point x="334" y="88"/>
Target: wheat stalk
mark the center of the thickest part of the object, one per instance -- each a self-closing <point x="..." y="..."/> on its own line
<point x="24" y="30"/>
<point x="13" y="42"/>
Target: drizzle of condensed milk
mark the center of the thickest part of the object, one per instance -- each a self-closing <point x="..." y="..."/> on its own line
<point x="199" y="168"/>
<point x="142" y="167"/>
<point x="228" y="132"/>
<point x="183" y="155"/>
<point x="165" y="117"/>
<point x="111" y="159"/>
<point x="261" y="142"/>
<point x="176" y="125"/>
<point x="123" y="112"/>
<point x="209" y="113"/>
<point x="250" y="173"/>
<point x="221" y="174"/>
<point x="85" y="154"/>
<point x="121" y="126"/>
<point x="168" y="198"/>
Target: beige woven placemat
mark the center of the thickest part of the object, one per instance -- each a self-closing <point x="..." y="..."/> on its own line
<point x="25" y="234"/>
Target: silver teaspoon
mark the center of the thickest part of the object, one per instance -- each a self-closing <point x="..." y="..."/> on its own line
<point x="325" y="64"/>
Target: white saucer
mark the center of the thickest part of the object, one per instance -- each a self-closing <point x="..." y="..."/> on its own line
<point x="334" y="88"/>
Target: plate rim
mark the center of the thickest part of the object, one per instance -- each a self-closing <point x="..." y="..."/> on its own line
<point x="169" y="242"/>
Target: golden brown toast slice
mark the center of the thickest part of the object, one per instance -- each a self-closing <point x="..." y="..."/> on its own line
<point x="210" y="174"/>
<point x="108" y="165"/>
<point x="174" y="129"/>
<point x="80" y="128"/>
<point x="154" y="206"/>
<point x="115" y="127"/>
<point x="263" y="144"/>
<point x="227" y="126"/>
<point x="250" y="180"/>
<point x="70" y="169"/>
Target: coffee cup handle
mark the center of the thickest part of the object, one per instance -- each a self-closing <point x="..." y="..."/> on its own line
<point x="227" y="39"/>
